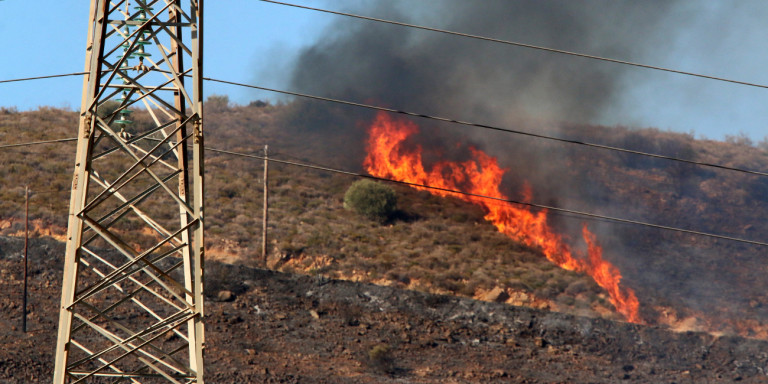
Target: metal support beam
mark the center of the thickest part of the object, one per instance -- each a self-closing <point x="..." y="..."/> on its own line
<point x="136" y="208"/>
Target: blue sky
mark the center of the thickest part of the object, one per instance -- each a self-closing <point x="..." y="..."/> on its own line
<point x="253" y="42"/>
<point x="242" y="40"/>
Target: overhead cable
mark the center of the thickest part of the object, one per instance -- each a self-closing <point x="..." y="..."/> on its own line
<point x="43" y="77"/>
<point x="490" y="127"/>
<point x="37" y="143"/>
<point x="49" y="191"/>
<point x="552" y="50"/>
<point x="438" y="118"/>
<point x="533" y="205"/>
<point x="504" y="200"/>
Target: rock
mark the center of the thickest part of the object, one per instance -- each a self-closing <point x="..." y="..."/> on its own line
<point x="225" y="296"/>
<point x="497" y="294"/>
<point x="519" y="299"/>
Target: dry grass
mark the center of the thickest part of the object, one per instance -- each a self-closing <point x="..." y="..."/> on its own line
<point x="431" y="243"/>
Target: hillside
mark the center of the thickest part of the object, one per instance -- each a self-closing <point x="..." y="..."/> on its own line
<point x="291" y="328"/>
<point x="444" y="245"/>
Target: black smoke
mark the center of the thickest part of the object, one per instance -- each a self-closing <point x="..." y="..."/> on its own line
<point x="477" y="81"/>
<point x="435" y="73"/>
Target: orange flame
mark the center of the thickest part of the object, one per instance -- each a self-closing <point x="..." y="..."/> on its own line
<point x="388" y="157"/>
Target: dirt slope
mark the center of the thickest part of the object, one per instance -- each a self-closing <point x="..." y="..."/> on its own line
<point x="284" y="328"/>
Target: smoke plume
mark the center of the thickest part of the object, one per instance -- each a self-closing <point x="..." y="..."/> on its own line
<point x="478" y="81"/>
<point x="482" y="81"/>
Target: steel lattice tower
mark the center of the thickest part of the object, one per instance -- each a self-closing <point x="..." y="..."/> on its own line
<point x="132" y="293"/>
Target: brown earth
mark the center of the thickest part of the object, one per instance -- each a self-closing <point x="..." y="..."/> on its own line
<point x="287" y="328"/>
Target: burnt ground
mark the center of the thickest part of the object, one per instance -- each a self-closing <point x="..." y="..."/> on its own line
<point x="283" y="328"/>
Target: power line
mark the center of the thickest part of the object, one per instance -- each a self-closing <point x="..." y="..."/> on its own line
<point x="43" y="77"/>
<point x="494" y="128"/>
<point x="38" y="143"/>
<point x="556" y="209"/>
<point x="551" y="50"/>
<point x="533" y="205"/>
<point x="443" y="119"/>
<point x="49" y="191"/>
<point x="509" y="201"/>
<point x="414" y="114"/>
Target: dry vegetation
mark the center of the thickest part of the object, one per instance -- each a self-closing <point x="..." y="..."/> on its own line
<point x="433" y="244"/>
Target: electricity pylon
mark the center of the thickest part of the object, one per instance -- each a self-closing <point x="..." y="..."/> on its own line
<point x="132" y="293"/>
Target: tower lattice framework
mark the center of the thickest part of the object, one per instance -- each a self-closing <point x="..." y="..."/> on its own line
<point x="132" y="294"/>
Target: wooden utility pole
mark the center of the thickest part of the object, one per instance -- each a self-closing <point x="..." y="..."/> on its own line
<point x="26" y="258"/>
<point x="265" y="214"/>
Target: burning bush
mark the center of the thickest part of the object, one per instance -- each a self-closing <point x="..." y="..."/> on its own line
<point x="373" y="200"/>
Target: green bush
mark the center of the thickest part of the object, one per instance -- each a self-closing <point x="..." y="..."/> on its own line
<point x="373" y="200"/>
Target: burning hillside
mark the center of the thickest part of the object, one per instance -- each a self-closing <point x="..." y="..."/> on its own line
<point x="650" y="275"/>
<point x="480" y="180"/>
<point x="445" y="245"/>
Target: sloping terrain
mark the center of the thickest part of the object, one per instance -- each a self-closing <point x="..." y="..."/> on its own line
<point x="444" y="245"/>
<point x="432" y="245"/>
<point x="287" y="328"/>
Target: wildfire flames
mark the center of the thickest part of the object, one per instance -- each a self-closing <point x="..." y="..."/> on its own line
<point x="388" y="157"/>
